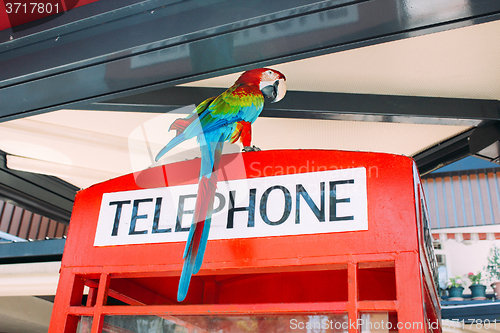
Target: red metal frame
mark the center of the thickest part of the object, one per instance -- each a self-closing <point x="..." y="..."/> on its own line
<point x="390" y="255"/>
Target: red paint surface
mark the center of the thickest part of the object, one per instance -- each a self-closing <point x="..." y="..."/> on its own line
<point x="389" y="216"/>
<point x="333" y="272"/>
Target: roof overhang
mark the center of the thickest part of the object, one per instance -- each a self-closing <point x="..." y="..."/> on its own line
<point x="391" y="76"/>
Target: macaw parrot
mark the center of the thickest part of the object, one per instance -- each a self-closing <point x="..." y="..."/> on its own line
<point x="227" y="117"/>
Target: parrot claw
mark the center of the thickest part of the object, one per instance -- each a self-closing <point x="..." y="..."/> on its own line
<point x="253" y="148"/>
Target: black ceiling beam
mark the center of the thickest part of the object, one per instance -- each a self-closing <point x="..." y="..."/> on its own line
<point x="322" y="105"/>
<point x="387" y="108"/>
<point x="40" y="194"/>
<point x="471" y="142"/>
<point x="158" y="43"/>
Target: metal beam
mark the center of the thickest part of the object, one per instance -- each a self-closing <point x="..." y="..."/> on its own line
<point x="35" y="251"/>
<point x="157" y="44"/>
<point x="321" y="105"/>
<point x="481" y="141"/>
<point x="472" y="142"/>
<point x="40" y="194"/>
<point x="461" y="312"/>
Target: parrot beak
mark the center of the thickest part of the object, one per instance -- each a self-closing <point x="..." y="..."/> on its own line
<point x="275" y="91"/>
<point x="280" y="90"/>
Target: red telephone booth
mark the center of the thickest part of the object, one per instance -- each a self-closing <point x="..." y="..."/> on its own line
<point x="301" y="241"/>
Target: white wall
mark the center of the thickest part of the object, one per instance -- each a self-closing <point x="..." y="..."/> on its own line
<point x="464" y="256"/>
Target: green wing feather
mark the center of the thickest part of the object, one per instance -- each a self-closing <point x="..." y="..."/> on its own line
<point x="240" y="102"/>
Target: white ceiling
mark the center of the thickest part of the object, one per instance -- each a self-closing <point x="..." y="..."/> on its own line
<point x="20" y="312"/>
<point x="459" y="63"/>
<point x="86" y="147"/>
<point x="24" y="314"/>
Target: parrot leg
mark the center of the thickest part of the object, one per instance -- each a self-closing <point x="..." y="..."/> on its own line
<point x="253" y="148"/>
<point x="246" y="136"/>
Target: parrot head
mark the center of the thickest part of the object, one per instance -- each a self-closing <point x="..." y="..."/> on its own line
<point x="271" y="83"/>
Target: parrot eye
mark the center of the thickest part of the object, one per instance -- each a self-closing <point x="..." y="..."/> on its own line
<point x="270" y="72"/>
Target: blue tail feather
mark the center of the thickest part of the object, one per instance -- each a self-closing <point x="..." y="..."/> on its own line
<point x="192" y="265"/>
<point x="187" y="272"/>
<point x="174" y="142"/>
<point x="196" y="243"/>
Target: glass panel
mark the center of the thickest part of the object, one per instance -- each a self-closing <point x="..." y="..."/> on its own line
<point x="378" y="322"/>
<point x="313" y="323"/>
<point x="84" y="324"/>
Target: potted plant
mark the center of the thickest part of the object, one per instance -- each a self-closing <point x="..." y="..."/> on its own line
<point x="477" y="289"/>
<point x="493" y="270"/>
<point x="455" y="289"/>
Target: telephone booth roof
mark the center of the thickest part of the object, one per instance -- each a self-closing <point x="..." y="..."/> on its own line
<point x="388" y="227"/>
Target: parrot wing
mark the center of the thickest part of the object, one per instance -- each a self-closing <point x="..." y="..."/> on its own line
<point x="238" y="103"/>
<point x="181" y="124"/>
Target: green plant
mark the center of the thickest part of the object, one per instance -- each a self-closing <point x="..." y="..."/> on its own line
<point x="475" y="278"/>
<point x="493" y="268"/>
<point x="454" y="282"/>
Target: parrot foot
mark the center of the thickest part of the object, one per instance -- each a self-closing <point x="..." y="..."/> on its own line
<point x="253" y="148"/>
